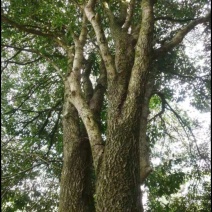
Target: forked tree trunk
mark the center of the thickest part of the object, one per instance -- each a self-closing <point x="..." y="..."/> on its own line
<point x="116" y="162"/>
<point x="100" y="175"/>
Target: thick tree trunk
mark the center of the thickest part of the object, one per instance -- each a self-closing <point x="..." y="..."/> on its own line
<point x="118" y="172"/>
<point x="121" y="163"/>
<point x="76" y="194"/>
<point x="118" y="182"/>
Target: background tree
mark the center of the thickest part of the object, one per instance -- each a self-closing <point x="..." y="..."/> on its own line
<point x="81" y="81"/>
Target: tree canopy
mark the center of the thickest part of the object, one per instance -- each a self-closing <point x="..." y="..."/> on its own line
<point x="108" y="46"/>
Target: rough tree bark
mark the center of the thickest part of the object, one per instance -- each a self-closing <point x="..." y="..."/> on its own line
<point x="76" y="182"/>
<point x="121" y="163"/>
<point x="105" y="174"/>
<point x="117" y="173"/>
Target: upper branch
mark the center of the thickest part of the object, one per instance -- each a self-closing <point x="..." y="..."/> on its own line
<point x="73" y="83"/>
<point x="87" y="84"/>
<point x="184" y="126"/>
<point x="97" y="99"/>
<point x="101" y="40"/>
<point x="129" y="14"/>
<point x="169" y="18"/>
<point x="58" y="70"/>
<point x="143" y="50"/>
<point x="22" y="63"/>
<point x="180" y="35"/>
<point x="83" y="33"/>
<point x="25" y="28"/>
<point x="113" y="22"/>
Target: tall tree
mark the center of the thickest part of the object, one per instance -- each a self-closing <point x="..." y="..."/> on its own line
<point x="87" y="71"/>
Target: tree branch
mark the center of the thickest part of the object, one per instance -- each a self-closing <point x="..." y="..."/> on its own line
<point x="144" y="146"/>
<point x="76" y="98"/>
<point x="3" y="67"/>
<point x="181" y="121"/>
<point x="97" y="99"/>
<point x="188" y="76"/>
<point x="143" y="52"/>
<point x="180" y="35"/>
<point x="17" y="53"/>
<point x="169" y="18"/>
<point x="101" y="40"/>
<point x="21" y="63"/>
<point x="184" y="125"/>
<point x="58" y="70"/>
<point x="91" y="126"/>
<point x="20" y="48"/>
<point x="21" y="172"/>
<point x="123" y="12"/>
<point x="115" y="28"/>
<point x="24" y="28"/>
<point x="52" y="134"/>
<point x="31" y="91"/>
<point x="33" y="31"/>
<point x="87" y="85"/>
<point x="129" y="15"/>
<point x="45" y="123"/>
